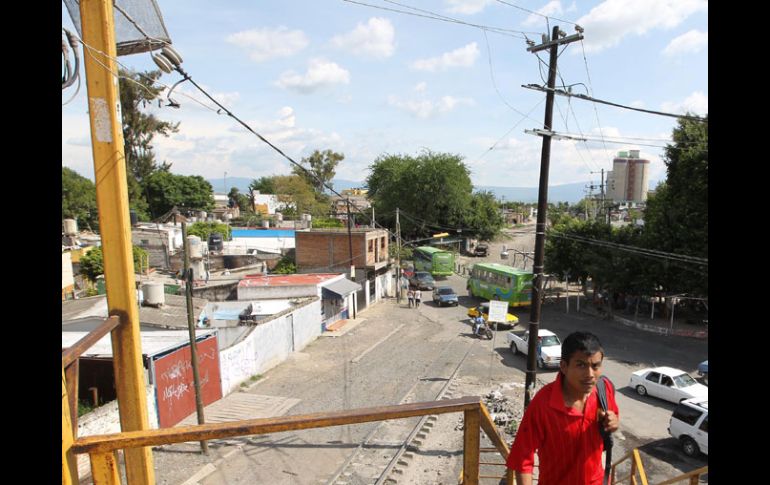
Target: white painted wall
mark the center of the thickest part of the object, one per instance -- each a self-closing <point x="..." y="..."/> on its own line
<point x="106" y="420"/>
<point x="239" y="245"/>
<point x="269" y="344"/>
<point x="67" y="279"/>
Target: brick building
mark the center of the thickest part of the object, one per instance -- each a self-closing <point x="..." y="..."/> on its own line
<point x="328" y="251"/>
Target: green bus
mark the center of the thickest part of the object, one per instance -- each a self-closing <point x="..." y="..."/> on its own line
<point x="433" y="260"/>
<point x="499" y="282"/>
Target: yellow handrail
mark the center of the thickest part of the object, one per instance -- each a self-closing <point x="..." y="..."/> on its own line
<point x="693" y="476"/>
<point x="636" y="466"/>
<point x="102" y="448"/>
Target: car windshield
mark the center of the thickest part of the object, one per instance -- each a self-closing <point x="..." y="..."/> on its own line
<point x="422" y="276"/>
<point x="550" y="340"/>
<point x="684" y="380"/>
<point x="484" y="307"/>
<point x="445" y="291"/>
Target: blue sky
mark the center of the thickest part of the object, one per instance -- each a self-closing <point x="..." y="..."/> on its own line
<point x="330" y="74"/>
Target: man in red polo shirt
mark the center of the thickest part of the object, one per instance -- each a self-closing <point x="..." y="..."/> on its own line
<point x="561" y="423"/>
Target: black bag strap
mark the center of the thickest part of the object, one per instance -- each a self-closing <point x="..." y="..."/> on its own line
<point x="601" y="390"/>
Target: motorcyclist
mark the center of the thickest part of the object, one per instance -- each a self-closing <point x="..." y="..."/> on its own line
<point x="478" y="324"/>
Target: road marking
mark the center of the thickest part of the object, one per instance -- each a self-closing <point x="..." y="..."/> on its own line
<point x="356" y="359"/>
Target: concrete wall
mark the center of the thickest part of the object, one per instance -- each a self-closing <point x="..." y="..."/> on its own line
<point x="240" y="245"/>
<point x="269" y="344"/>
<point x="224" y="292"/>
<point x="276" y="292"/>
<point x="67" y="278"/>
<point x="106" y="420"/>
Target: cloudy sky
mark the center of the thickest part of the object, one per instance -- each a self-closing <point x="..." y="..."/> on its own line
<point x="368" y="80"/>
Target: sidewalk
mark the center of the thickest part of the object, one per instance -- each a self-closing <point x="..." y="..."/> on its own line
<point x="657" y="325"/>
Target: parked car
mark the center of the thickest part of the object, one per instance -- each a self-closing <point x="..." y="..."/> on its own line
<point x="690" y="425"/>
<point x="482" y="249"/>
<point x="703" y="371"/>
<point x="445" y="295"/>
<point x="667" y="383"/>
<point x="548" y="349"/>
<point x="422" y="280"/>
<point x="483" y="309"/>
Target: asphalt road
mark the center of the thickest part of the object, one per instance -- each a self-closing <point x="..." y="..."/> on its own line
<point x="400" y="354"/>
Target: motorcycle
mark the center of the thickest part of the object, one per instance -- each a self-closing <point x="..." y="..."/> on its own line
<point x="484" y="331"/>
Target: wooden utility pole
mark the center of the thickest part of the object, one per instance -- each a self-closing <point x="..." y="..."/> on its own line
<point x="398" y="258"/>
<point x="542" y="205"/>
<point x="191" y="329"/>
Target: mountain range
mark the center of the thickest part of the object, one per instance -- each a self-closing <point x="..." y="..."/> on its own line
<point x="571" y="193"/>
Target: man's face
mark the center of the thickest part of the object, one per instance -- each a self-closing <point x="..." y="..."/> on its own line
<point x="581" y="371"/>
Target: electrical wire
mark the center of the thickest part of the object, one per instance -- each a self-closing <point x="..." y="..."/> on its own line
<point x="535" y="13"/>
<point x="542" y="100"/>
<point x="443" y="18"/>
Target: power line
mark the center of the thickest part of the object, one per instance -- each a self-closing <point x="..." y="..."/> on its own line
<point x="534" y="13"/>
<point x="443" y="18"/>
<point x="594" y="100"/>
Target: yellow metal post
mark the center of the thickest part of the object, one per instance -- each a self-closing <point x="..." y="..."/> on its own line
<point x="112" y="199"/>
<point x="69" y="465"/>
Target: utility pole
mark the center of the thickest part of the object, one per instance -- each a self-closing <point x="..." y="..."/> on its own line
<point x="398" y="257"/>
<point x="350" y="249"/>
<point x="98" y="25"/>
<point x="191" y="328"/>
<point x="603" y="210"/>
<point x="542" y="206"/>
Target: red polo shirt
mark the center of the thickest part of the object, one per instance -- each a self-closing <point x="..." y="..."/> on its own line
<point x="567" y="441"/>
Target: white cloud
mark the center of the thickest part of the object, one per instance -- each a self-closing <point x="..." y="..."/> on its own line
<point x="467" y="6"/>
<point x="264" y="44"/>
<point x="551" y="8"/>
<point x="320" y="73"/>
<point x="421" y="87"/>
<point x="462" y="57"/>
<point x="376" y="38"/>
<point x="689" y="43"/>
<point x="606" y="24"/>
<point x="637" y="104"/>
<point x="697" y="103"/>
<point x="426" y="108"/>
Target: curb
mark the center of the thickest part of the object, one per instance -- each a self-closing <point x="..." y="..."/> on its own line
<point x="699" y="334"/>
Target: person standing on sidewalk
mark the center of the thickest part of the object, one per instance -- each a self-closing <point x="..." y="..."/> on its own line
<point x="417" y="298"/>
<point x="410" y="297"/>
<point x="562" y="422"/>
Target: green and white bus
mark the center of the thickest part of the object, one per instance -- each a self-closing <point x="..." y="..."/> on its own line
<point x="499" y="282"/>
<point x="433" y="260"/>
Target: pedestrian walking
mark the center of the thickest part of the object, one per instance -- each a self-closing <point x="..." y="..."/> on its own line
<point x="417" y="297"/>
<point x="410" y="297"/>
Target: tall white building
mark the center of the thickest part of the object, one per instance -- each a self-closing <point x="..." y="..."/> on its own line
<point x="629" y="179"/>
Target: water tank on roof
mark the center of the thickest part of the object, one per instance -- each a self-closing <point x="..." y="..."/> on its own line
<point x="266" y="224"/>
<point x="70" y="227"/>
<point x="133" y="218"/>
<point x="153" y="294"/>
<point x="278" y="216"/>
<point x="202" y="215"/>
<point x="196" y="248"/>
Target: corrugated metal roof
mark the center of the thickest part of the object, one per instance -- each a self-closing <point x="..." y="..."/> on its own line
<point x="342" y="287"/>
<point x="153" y="343"/>
<point x="172" y="314"/>
<point x="286" y="280"/>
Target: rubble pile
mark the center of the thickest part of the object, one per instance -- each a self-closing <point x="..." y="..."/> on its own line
<point x="505" y="413"/>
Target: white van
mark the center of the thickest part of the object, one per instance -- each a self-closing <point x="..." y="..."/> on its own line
<point x="690" y="425"/>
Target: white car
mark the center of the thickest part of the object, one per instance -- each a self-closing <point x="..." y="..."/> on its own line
<point x="667" y="383"/>
<point x="690" y="425"/>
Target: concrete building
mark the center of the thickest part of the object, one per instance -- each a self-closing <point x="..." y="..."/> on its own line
<point x="161" y="241"/>
<point x="328" y="250"/>
<point x="266" y="204"/>
<point x="67" y="277"/>
<point x="338" y="295"/>
<point x="260" y="241"/>
<point x="629" y="179"/>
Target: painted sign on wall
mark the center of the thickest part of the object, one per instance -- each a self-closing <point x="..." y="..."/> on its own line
<point x="175" y="387"/>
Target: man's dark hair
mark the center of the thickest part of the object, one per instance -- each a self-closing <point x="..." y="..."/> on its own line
<point x="583" y="342"/>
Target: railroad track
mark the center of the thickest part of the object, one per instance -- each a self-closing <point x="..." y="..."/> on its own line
<point x="382" y="449"/>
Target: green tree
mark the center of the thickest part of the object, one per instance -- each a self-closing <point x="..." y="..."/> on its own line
<point x="483" y="218"/>
<point x="78" y="199"/>
<point x="239" y="199"/>
<point x="298" y="196"/>
<point x="433" y="189"/>
<point x="92" y="263"/>
<point x="137" y="91"/>
<point x="320" y="168"/>
<point x="676" y="217"/>
<point x="204" y="229"/>
<point x="285" y="266"/>
<point x="166" y="190"/>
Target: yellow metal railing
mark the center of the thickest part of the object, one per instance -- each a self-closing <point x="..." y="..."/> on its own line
<point x="636" y="467"/>
<point x="103" y="449"/>
<point x="693" y="477"/>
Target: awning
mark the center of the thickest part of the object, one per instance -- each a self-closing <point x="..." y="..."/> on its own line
<point x="341" y="288"/>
